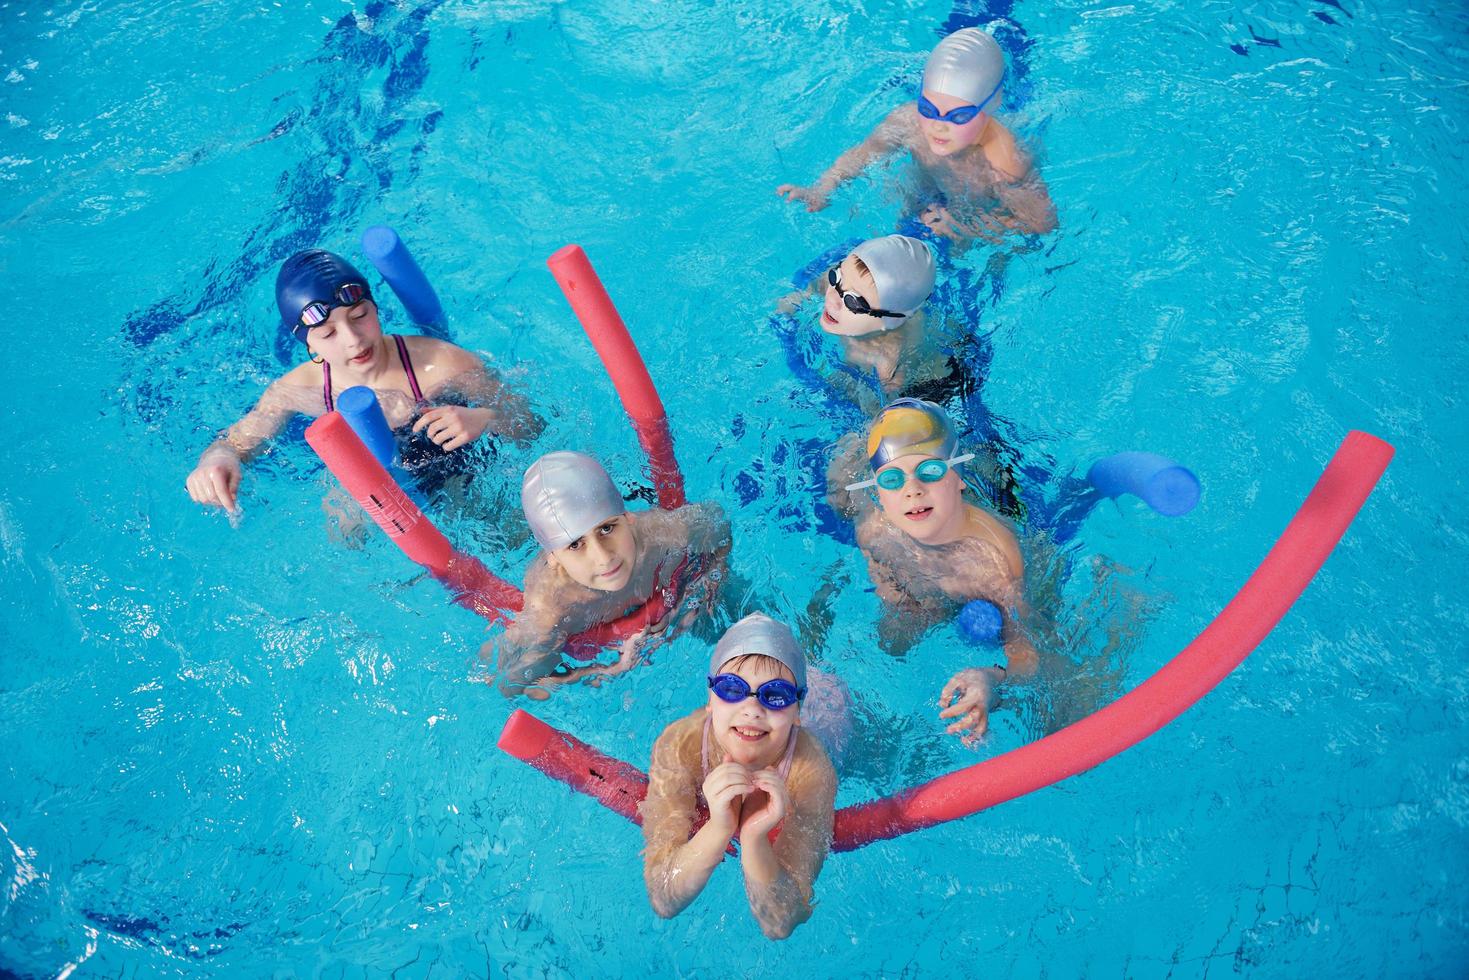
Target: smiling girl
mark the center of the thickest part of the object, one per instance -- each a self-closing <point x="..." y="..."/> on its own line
<point x="745" y="759"/>
<point x="444" y="391"/>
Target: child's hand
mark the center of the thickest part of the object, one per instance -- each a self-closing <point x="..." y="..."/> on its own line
<point x="766" y="814"/>
<point x="814" y="198"/>
<point x="631" y="654"/>
<point x="453" y="426"/>
<point x="216" y="480"/>
<point x="941" y="221"/>
<point x="724" y="789"/>
<point x="968" y="697"/>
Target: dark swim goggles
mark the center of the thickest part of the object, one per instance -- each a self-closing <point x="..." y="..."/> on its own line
<point x="317" y="311"/>
<point x="852" y="301"/>
<point x="959" y="115"/>
<point x="928" y="471"/>
<point x="777" y="695"/>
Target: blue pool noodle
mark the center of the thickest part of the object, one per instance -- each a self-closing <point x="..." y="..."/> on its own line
<point x="1165" y="486"/>
<point x="359" y="407"/>
<point x="398" y="267"/>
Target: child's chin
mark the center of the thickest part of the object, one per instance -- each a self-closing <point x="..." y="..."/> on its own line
<point x="604" y="586"/>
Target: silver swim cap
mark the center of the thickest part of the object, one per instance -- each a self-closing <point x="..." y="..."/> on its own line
<point x="902" y="269"/>
<point x="968" y="65"/>
<point x="907" y="426"/>
<point x="758" y="633"/>
<point x="565" y="495"/>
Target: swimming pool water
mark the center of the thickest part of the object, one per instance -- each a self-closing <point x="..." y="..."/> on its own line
<point x="259" y="750"/>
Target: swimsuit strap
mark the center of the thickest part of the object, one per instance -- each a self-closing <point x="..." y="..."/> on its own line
<point x="408" y="367"/>
<point x="326" y="385"/>
<point x="704" y="752"/>
<point x="785" y="764"/>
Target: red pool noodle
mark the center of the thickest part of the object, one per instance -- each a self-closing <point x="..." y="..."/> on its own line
<point x="604" y="328"/>
<point x="617" y="785"/>
<point x="473" y="585"/>
<point x="1279" y="580"/>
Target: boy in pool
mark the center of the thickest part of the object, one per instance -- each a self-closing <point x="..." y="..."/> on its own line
<point x="874" y="306"/>
<point x="598" y="562"/>
<point x="325" y="303"/>
<point x="982" y="181"/>
<point x="929" y="552"/>
<point x="746" y="760"/>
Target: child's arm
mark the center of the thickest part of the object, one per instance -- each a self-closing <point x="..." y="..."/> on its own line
<point x="215" y="479"/>
<point x="676" y="867"/>
<point x="1025" y="203"/>
<point x="972" y="693"/>
<point x="885" y="139"/>
<point x="779" y="877"/>
<point x="530" y="649"/>
<point x="844" y="469"/>
<point x="461" y="376"/>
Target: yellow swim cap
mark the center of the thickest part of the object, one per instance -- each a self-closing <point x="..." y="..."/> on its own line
<point x="907" y="426"/>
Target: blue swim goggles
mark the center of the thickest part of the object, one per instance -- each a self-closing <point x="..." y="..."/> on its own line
<point x="959" y="115"/>
<point x="777" y="695"/>
<point x="928" y="471"/>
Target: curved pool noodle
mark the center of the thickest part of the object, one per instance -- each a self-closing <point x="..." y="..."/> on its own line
<point x="359" y="406"/>
<point x="391" y="258"/>
<point x="980" y="622"/>
<point x="617" y="785"/>
<point x="604" y="328"/>
<point x="1240" y="627"/>
<point x="1158" y="481"/>
<point x="473" y="585"/>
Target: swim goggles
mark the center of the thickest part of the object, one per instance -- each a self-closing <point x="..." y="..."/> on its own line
<point x="959" y="115"/>
<point x="929" y="471"/>
<point x="317" y="311"/>
<point x="777" y="695"/>
<point x="852" y="301"/>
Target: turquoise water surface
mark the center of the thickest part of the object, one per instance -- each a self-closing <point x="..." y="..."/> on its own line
<point x="265" y="750"/>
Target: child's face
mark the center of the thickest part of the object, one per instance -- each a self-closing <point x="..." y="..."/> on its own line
<point x="750" y="733"/>
<point x="946" y="139"/>
<point x="932" y="513"/>
<point x="839" y="321"/>
<point x="603" y="558"/>
<point x="350" y="339"/>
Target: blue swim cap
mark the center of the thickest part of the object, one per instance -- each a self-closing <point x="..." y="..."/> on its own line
<point x="312" y="276"/>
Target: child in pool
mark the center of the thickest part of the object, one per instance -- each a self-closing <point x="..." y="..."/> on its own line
<point x="874" y="306"/>
<point x="746" y="759"/>
<point x="598" y="561"/>
<point x="929" y="552"/>
<point x="326" y="304"/>
<point x="982" y="180"/>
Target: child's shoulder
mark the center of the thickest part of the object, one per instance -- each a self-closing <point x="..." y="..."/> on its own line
<point x="995" y="531"/>
<point x="307" y="374"/>
<point x="900" y="125"/>
<point x="811" y="767"/>
<point x="682" y="741"/>
<point x="680" y="519"/>
<point x="1003" y="152"/>
<point x="548" y="588"/>
<point x="432" y="352"/>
